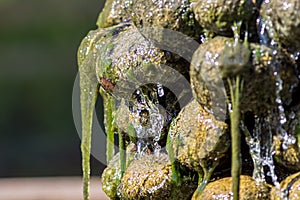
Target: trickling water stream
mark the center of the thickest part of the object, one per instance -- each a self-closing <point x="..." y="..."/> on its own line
<point x="148" y="121"/>
<point x="261" y="141"/>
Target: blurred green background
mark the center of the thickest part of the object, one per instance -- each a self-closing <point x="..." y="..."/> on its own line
<point x="38" y="44"/>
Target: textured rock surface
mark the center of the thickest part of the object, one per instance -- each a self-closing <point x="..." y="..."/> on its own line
<point x="284" y="17"/>
<point x="150" y="178"/>
<point x="171" y="14"/>
<point x="249" y="190"/>
<point x="111" y="176"/>
<point x="219" y="16"/>
<point x="131" y="62"/>
<point x="289" y="188"/>
<point x="195" y="124"/>
<point x="222" y="58"/>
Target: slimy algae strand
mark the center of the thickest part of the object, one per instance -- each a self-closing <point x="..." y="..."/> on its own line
<point x="122" y="147"/>
<point x="235" y="93"/>
<point x="89" y="89"/>
<point x="88" y="95"/>
<point x="110" y="127"/>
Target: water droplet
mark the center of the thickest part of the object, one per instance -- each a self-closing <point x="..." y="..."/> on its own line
<point x="263" y="34"/>
<point x="160" y="90"/>
<point x="292" y="115"/>
<point x="286" y="5"/>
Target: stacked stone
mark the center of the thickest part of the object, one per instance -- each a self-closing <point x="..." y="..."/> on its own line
<point x="254" y="40"/>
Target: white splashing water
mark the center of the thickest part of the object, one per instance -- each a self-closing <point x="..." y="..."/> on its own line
<point x="262" y="150"/>
<point x="269" y="151"/>
<point x="148" y="122"/>
<point x="254" y="143"/>
<point x="287" y="139"/>
<point x="266" y="32"/>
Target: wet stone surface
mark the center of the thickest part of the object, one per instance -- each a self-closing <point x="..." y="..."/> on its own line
<point x="149" y="106"/>
<point x="111" y="176"/>
<point x="249" y="189"/>
<point x="195" y="124"/>
<point x="114" y="12"/>
<point x="150" y="178"/>
<point x="289" y="188"/>
<point x="221" y="58"/>
<point x="284" y="18"/>
<point x="171" y="14"/>
<point x="218" y="16"/>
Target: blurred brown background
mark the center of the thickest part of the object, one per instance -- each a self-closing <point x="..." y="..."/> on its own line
<point x="38" y="45"/>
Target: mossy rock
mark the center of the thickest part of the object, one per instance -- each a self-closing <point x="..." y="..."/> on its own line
<point x="289" y="157"/>
<point x="130" y="67"/>
<point x="198" y="140"/>
<point x="111" y="176"/>
<point x="149" y="177"/>
<point x="283" y="21"/>
<point x="219" y="16"/>
<point x="249" y="189"/>
<point x="289" y="188"/>
<point x="176" y="15"/>
<point x="260" y="67"/>
<point x="114" y="12"/>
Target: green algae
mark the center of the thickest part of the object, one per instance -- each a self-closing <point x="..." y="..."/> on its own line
<point x="297" y="132"/>
<point x="88" y="95"/>
<point x="122" y="148"/>
<point x="218" y="16"/>
<point x="149" y="178"/>
<point x="170" y="14"/>
<point x="232" y="59"/>
<point x="89" y="90"/>
<point x="176" y="176"/>
<point x="109" y="122"/>
<point x="192" y="124"/>
<point x="112" y="175"/>
<point x="236" y="89"/>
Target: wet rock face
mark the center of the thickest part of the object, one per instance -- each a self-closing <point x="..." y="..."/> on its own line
<point x="127" y="66"/>
<point x="142" y="95"/>
<point x="289" y="157"/>
<point x="284" y="17"/>
<point x="150" y="178"/>
<point x="111" y="176"/>
<point x="121" y="51"/>
<point x="125" y="55"/>
<point x="143" y="119"/>
<point x="171" y="14"/>
<point x="195" y="124"/>
<point x="114" y="12"/>
<point x="221" y="58"/>
<point x="249" y="190"/>
<point x="218" y="16"/>
<point x="289" y="188"/>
